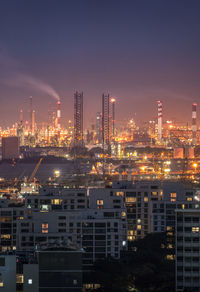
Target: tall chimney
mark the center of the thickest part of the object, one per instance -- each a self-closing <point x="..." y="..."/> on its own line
<point x="159" y="120"/>
<point x="31" y="113"/>
<point x="21" y="117"/>
<point x="58" y="118"/>
<point x="194" y="123"/>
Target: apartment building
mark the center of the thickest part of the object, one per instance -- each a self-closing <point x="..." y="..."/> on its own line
<point x="95" y="222"/>
<point x="151" y="205"/>
<point x="100" y="220"/>
<point x="188" y="250"/>
<point x="9" y="218"/>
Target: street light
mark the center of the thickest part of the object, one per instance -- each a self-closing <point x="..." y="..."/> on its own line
<point x="195" y="165"/>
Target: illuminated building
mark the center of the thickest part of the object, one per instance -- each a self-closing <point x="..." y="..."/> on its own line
<point x="98" y="214"/>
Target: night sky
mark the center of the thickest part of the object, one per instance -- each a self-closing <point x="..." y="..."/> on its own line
<point x="138" y="50"/>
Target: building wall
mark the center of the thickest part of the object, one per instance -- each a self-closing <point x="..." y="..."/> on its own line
<point x="60" y="270"/>
<point x="10" y="147"/>
<point x="31" y="277"/>
<point x="8" y="273"/>
<point x="187" y="250"/>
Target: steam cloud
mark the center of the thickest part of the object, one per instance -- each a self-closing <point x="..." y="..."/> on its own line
<point x="27" y="81"/>
<point x="11" y="75"/>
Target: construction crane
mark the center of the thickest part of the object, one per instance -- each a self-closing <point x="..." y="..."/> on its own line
<point x="35" y="170"/>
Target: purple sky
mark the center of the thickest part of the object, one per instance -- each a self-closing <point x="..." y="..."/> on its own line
<point x="138" y="50"/>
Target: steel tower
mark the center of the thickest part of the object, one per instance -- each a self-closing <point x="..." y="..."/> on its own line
<point x="78" y="118"/>
<point x="106" y="119"/>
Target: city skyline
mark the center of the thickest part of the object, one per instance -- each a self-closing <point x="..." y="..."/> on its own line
<point x="136" y="51"/>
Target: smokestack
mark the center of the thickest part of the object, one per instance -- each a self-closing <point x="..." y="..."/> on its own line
<point x="31" y="112"/>
<point x="194" y="123"/>
<point x="159" y="120"/>
<point x="58" y="118"/>
<point x="33" y="122"/>
<point x="21" y="117"/>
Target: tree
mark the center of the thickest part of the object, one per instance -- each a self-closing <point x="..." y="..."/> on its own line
<point x="144" y="268"/>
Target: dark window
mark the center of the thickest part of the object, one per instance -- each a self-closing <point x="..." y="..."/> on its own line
<point x="2" y="262"/>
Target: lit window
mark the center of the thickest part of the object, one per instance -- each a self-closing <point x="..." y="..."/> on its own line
<point x="1" y="283"/>
<point x="30" y="281"/>
<point x="130" y="232"/>
<point x="139" y="227"/>
<point x="56" y="202"/>
<point x="161" y="194"/>
<point x="173" y="197"/>
<point x="130" y="200"/>
<point x="195" y="229"/>
<point x="75" y="282"/>
<point x="170" y="257"/>
<point x="121" y="194"/>
<point x="146" y="199"/>
<point x="45" y="227"/>
<point x="19" y="279"/>
<point x="154" y="193"/>
<point x="99" y="204"/>
<point x="44" y="208"/>
<point x="5" y="236"/>
<point x="189" y="199"/>
<point x="170" y="246"/>
<point x="44" y="230"/>
<point x="123" y="214"/>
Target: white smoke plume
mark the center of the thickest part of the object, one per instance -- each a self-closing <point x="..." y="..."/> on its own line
<point x="11" y="74"/>
<point x="27" y="81"/>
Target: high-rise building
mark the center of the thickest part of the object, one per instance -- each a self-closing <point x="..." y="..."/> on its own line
<point x="10" y="147"/>
<point x="106" y="119"/>
<point x="78" y="118"/>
